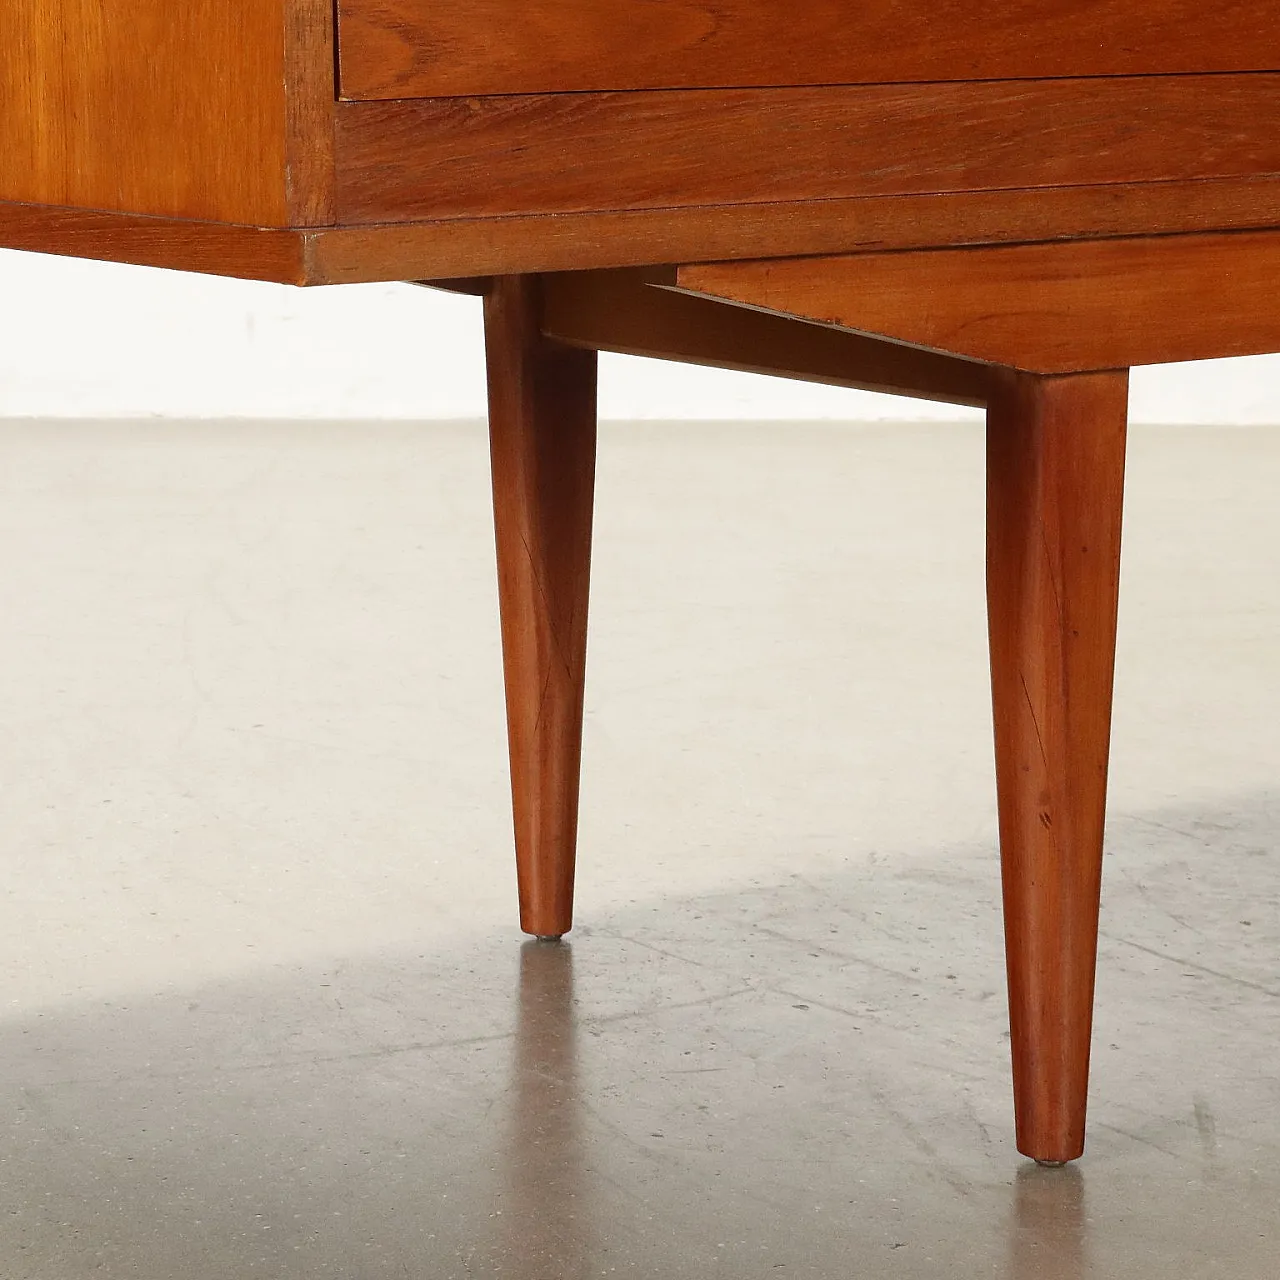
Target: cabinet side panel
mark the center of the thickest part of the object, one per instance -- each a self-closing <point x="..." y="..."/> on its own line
<point x="145" y="106"/>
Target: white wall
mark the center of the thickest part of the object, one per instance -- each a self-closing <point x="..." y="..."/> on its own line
<point x="86" y="339"/>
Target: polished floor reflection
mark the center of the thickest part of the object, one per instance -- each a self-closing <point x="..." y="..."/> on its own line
<point x="787" y="1081"/>
<point x="265" y="1011"/>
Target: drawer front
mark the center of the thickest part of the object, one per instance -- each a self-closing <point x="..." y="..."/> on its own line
<point x="441" y="48"/>
<point x="495" y="157"/>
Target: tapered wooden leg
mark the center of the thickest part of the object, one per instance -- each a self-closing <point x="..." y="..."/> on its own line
<point x="542" y="430"/>
<point x="1055" y="480"/>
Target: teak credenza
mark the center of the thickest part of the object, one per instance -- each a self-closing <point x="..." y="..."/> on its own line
<point x="1005" y="203"/>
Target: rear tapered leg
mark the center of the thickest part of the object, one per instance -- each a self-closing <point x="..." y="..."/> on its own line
<point x="1055" y="479"/>
<point x="542" y="428"/>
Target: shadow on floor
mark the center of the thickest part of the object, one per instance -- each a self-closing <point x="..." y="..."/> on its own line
<point x="804" y="1079"/>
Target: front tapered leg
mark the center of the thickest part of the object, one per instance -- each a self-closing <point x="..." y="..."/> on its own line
<point x="1055" y="479"/>
<point x="542" y="428"/>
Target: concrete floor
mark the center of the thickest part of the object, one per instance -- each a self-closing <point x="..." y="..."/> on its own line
<point x="265" y="1011"/>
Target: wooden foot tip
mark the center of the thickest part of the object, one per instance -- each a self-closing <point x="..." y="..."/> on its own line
<point x="1052" y="1164"/>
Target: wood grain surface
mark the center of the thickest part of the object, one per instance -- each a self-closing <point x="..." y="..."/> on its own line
<point x="1055" y="481"/>
<point x="144" y="108"/>
<point x="1048" y="308"/>
<point x="468" y="247"/>
<point x="542" y="431"/>
<point x="310" y="84"/>
<point x="419" y="48"/>
<point x="618" y="311"/>
<point x="565" y="242"/>
<point x="563" y="153"/>
<point x="212" y="248"/>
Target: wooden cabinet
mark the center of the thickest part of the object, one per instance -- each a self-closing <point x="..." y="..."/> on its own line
<point x="420" y="139"/>
<point x="996" y="202"/>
